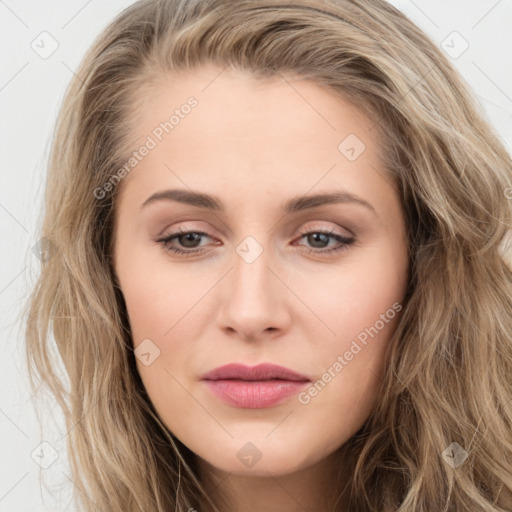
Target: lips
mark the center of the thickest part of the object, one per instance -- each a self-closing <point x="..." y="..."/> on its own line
<point x="260" y="372"/>
<point x="254" y="387"/>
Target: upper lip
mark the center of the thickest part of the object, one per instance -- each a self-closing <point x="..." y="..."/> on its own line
<point x="265" y="371"/>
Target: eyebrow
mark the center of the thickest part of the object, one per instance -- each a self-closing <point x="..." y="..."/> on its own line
<point x="296" y="204"/>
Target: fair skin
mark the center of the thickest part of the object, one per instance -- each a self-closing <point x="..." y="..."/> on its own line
<point x="255" y="146"/>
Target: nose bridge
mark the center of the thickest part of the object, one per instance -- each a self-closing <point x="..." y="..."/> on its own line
<point x="251" y="276"/>
<point x="252" y="302"/>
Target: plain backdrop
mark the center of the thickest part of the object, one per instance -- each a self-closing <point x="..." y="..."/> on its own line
<point x="41" y="44"/>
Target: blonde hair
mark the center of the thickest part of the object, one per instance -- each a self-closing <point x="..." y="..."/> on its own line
<point x="448" y="378"/>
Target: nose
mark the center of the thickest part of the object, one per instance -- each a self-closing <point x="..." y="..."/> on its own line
<point x="254" y="300"/>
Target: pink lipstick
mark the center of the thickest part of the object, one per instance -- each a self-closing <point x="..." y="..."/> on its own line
<point x="254" y="387"/>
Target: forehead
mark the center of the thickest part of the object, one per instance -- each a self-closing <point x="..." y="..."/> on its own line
<point x="216" y="128"/>
<point x="236" y="103"/>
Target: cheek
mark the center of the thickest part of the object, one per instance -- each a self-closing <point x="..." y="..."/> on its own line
<point x="357" y="299"/>
<point x="159" y="295"/>
<point x="359" y="308"/>
<point x="167" y="306"/>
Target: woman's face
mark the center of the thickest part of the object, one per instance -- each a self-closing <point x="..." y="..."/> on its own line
<point x="270" y="273"/>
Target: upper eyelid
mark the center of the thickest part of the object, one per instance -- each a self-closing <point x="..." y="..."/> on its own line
<point x="309" y="229"/>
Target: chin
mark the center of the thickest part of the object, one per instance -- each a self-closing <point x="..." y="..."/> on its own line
<point x="259" y="459"/>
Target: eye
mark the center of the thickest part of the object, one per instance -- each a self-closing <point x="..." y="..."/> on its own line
<point x="189" y="241"/>
<point x="320" y="237"/>
<point x="187" y="238"/>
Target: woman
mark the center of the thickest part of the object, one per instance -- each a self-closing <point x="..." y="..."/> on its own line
<point x="341" y="339"/>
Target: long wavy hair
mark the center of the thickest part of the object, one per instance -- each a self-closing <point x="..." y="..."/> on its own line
<point x="448" y="376"/>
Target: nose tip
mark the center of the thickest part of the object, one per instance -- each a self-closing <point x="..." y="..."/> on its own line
<point x="252" y="306"/>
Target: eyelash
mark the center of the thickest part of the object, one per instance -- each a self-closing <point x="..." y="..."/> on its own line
<point x="345" y="241"/>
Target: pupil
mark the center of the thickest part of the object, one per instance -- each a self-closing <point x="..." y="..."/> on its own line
<point x="315" y="238"/>
<point x="189" y="237"/>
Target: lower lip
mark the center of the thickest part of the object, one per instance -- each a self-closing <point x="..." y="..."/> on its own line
<point x="255" y="394"/>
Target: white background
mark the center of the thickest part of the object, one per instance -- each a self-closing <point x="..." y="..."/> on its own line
<point x="31" y="89"/>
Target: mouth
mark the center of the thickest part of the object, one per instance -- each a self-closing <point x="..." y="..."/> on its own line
<point x="255" y="387"/>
